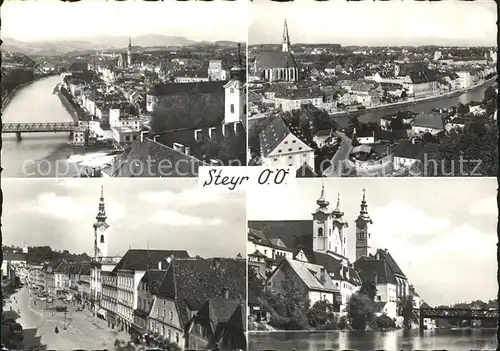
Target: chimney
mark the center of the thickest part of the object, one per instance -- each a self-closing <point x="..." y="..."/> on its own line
<point x="169" y="259"/>
<point x="142" y="135"/>
<point x="413" y="140"/>
<point x="187" y="150"/>
<point x="354" y="131"/>
<point x="159" y="265"/>
<point x="154" y="137"/>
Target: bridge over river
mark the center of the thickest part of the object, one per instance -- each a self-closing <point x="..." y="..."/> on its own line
<point x="456" y="313"/>
<point x="34" y="127"/>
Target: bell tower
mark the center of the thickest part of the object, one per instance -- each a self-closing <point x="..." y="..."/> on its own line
<point x="286" y="39"/>
<point x="322" y="225"/>
<point x="100" y="230"/>
<point x="339" y="230"/>
<point x="363" y="232"/>
<point x="129" y="52"/>
<point x="235" y="98"/>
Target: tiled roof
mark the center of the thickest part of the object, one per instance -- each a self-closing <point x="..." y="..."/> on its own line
<point x="164" y="161"/>
<point x="407" y="149"/>
<point x="370" y="269"/>
<point x="216" y="312"/>
<point x="305" y="171"/>
<point x="187" y="88"/>
<point x="142" y="259"/>
<point x="152" y="278"/>
<point x="293" y="233"/>
<point x="385" y="255"/>
<point x="200" y="280"/>
<point x="334" y="267"/>
<point x="424" y="76"/>
<point x="275" y="59"/>
<point x="311" y="275"/>
<point x="273" y="135"/>
<point x="261" y="238"/>
<point x="13" y="256"/>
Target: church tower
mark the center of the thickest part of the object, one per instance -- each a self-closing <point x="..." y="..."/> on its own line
<point x="286" y="39"/>
<point x="25" y="248"/>
<point x="100" y="230"/>
<point x="235" y="98"/>
<point x="363" y="234"/>
<point x="339" y="230"/>
<point x="129" y="52"/>
<point x="322" y="225"/>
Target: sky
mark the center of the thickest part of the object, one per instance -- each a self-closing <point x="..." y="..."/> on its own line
<point x="168" y="214"/>
<point x="54" y="19"/>
<point x="375" y="23"/>
<point x="441" y="232"/>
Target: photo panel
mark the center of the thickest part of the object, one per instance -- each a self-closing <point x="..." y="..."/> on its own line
<point x="362" y="89"/>
<point x="144" y="89"/>
<point x="122" y="265"/>
<point x="373" y="265"/>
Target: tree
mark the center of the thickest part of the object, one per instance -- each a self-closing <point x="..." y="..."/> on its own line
<point x="385" y="322"/>
<point x="288" y="306"/>
<point x="368" y="288"/>
<point x="405" y="308"/>
<point x="254" y="283"/>
<point x="360" y="311"/>
<point x="227" y="150"/>
<point x="321" y="314"/>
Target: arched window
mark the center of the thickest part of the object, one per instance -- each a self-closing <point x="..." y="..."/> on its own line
<point x="102" y="239"/>
<point x="245" y="109"/>
<point x="320" y="232"/>
<point x="232" y="108"/>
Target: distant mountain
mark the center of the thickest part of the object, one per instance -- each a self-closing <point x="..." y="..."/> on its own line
<point x="58" y="47"/>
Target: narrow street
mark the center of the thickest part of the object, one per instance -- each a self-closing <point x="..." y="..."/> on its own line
<point x="76" y="330"/>
<point x="335" y="170"/>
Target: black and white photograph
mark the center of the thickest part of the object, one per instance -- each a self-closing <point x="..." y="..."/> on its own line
<point x="122" y="89"/>
<point x="403" y="264"/>
<point x="122" y="265"/>
<point x="373" y="88"/>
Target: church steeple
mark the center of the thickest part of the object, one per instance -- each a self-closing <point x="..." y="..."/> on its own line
<point x="286" y="39"/>
<point x="363" y="232"/>
<point x="101" y="213"/>
<point x="363" y="213"/>
<point x="322" y="201"/>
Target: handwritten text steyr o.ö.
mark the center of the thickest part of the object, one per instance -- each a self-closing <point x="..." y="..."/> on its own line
<point x="265" y="177"/>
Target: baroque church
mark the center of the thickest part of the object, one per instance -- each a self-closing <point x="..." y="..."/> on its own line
<point x="277" y="65"/>
<point x="316" y="252"/>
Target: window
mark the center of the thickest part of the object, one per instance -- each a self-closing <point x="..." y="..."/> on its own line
<point x="300" y="147"/>
<point x="294" y="141"/>
<point x="211" y="132"/>
<point x="320" y="232"/>
<point x="198" y="134"/>
<point x="279" y="150"/>
<point x="232" y="108"/>
<point x="164" y="313"/>
<point x="289" y="149"/>
<point x="245" y="109"/>
<point x="177" y="338"/>
<point x="169" y="334"/>
<point x="290" y="157"/>
<point x="171" y="315"/>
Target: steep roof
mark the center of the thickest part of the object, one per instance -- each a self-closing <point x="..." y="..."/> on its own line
<point x="275" y="59"/>
<point x="165" y="162"/>
<point x="141" y="259"/>
<point x="385" y="255"/>
<point x="293" y="233"/>
<point x="216" y="312"/>
<point x="187" y="88"/>
<point x="152" y="278"/>
<point x="370" y="269"/>
<point x="305" y="171"/>
<point x="202" y="279"/>
<point x="334" y="267"/>
<point x="272" y="135"/>
<point x="311" y="275"/>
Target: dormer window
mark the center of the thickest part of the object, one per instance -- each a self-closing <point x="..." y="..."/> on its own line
<point x="198" y="134"/>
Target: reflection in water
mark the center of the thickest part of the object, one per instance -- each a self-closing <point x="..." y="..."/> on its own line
<point x="483" y="339"/>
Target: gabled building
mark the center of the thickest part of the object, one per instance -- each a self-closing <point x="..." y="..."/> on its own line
<point x="129" y="271"/>
<point x="283" y="146"/>
<point x="310" y="280"/>
<point x="219" y="323"/>
<point x="187" y="286"/>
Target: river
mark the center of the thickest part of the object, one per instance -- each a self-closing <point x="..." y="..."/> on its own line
<point x="476" y="94"/>
<point x="39" y="154"/>
<point x="456" y="340"/>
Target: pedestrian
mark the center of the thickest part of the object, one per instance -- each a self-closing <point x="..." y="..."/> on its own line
<point x="56" y="330"/>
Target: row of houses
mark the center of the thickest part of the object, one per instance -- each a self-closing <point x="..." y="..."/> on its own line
<point x="161" y="295"/>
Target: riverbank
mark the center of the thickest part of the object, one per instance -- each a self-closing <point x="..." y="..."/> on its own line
<point x="412" y="101"/>
<point x="68" y="106"/>
<point x="14" y="91"/>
